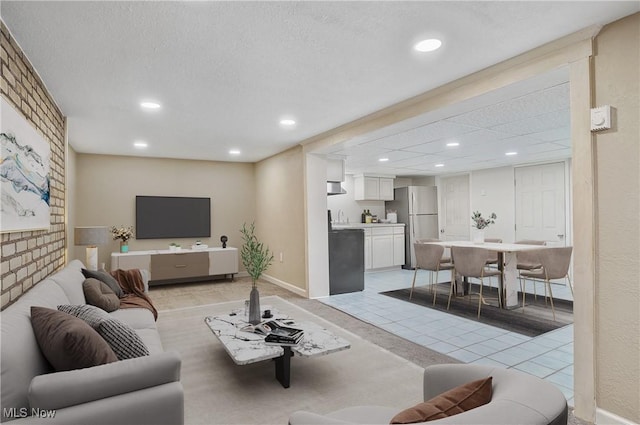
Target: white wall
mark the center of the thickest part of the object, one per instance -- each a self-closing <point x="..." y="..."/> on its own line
<point x="492" y="191"/>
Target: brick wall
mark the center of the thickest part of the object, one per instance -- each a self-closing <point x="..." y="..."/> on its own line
<point x="29" y="257"/>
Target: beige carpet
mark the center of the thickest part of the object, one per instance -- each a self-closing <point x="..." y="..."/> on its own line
<point x="217" y="391"/>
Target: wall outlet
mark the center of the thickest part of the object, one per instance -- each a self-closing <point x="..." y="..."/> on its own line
<point x="281" y="256"/>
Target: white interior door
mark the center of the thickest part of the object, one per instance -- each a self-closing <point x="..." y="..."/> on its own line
<point x="456" y="218"/>
<point x="540" y="203"/>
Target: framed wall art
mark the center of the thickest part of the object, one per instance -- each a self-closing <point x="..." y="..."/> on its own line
<point x="24" y="174"/>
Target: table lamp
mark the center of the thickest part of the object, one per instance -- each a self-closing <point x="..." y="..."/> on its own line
<point x="91" y="237"/>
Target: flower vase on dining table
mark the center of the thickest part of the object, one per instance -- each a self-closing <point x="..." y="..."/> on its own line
<point x="478" y="236"/>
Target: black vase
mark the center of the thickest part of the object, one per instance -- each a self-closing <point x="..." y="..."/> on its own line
<point x="254" y="306"/>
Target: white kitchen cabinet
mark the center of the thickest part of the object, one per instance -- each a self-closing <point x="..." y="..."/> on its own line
<point x="373" y="188"/>
<point x="367" y="249"/>
<point x="386" y="189"/>
<point x="383" y="245"/>
<point x="381" y="251"/>
<point x="335" y="170"/>
<point x="398" y="249"/>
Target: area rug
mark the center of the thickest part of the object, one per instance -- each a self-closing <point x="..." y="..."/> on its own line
<point x="217" y="391"/>
<point x="536" y="319"/>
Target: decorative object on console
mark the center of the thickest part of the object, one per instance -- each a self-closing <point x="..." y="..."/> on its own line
<point x="91" y="237"/>
<point x="256" y="258"/>
<point x="224" y="240"/>
<point x="123" y="234"/>
<point x="480" y="223"/>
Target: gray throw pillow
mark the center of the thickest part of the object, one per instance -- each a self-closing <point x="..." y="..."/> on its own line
<point x="68" y="342"/>
<point x="99" y="294"/>
<point x="89" y="313"/>
<point x="123" y="339"/>
<point x="106" y="278"/>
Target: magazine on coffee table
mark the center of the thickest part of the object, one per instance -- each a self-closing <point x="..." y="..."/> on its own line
<point x="276" y="333"/>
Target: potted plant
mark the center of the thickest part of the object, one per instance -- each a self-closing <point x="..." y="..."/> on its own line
<point x="481" y="223"/>
<point x="256" y="258"/>
<point x="123" y="234"/>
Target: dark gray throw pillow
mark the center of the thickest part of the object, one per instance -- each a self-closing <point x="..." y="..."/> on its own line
<point x="99" y="294"/>
<point x="106" y="278"/>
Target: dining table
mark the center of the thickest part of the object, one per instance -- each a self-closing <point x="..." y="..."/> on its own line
<point x="507" y="264"/>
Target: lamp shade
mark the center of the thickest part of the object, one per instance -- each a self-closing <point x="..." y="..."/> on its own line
<point x="96" y="235"/>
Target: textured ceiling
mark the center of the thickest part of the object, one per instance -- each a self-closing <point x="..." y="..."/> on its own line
<point x="227" y="72"/>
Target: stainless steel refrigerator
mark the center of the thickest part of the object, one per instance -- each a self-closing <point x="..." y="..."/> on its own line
<point x="417" y="207"/>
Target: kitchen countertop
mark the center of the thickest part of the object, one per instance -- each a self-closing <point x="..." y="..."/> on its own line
<point x="364" y="225"/>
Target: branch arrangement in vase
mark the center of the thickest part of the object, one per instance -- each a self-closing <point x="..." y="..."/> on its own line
<point x="256" y="257"/>
<point x="480" y="222"/>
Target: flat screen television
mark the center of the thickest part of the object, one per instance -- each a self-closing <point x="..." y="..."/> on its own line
<point x="164" y="217"/>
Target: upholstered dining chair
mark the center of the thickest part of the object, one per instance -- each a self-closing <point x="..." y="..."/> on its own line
<point x="555" y="263"/>
<point x="528" y="261"/>
<point x="493" y="256"/>
<point x="446" y="258"/>
<point x="428" y="258"/>
<point x="471" y="262"/>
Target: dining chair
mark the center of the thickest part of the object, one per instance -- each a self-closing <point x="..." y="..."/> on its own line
<point x="471" y="262"/>
<point x="445" y="258"/>
<point x="555" y="263"/>
<point x="493" y="255"/>
<point x="428" y="258"/>
<point x="528" y="261"/>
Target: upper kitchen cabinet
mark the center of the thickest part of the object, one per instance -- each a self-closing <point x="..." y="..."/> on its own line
<point x="373" y="188"/>
<point x="335" y="170"/>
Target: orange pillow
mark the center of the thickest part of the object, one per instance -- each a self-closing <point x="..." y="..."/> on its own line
<point x="457" y="400"/>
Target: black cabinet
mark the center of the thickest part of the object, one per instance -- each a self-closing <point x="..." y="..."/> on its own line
<point x="346" y="261"/>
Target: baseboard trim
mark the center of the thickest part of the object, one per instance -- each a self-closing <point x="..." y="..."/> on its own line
<point x="604" y="417"/>
<point x="285" y="285"/>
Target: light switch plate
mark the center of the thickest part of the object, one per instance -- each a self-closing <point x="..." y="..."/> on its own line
<point x="601" y="118"/>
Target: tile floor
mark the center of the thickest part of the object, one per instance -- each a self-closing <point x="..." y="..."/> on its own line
<point x="548" y="356"/>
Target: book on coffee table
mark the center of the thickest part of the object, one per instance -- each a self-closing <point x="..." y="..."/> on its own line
<point x="276" y="333"/>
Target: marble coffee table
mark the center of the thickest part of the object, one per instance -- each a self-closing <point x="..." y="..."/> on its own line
<point x="248" y="347"/>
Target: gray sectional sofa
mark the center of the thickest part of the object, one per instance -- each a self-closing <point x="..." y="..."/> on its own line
<point x="142" y="390"/>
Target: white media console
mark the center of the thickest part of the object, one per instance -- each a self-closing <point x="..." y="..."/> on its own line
<point x="186" y="265"/>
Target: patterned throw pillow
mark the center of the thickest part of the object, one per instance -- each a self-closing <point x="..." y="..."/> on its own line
<point x="90" y="314"/>
<point x="122" y="339"/>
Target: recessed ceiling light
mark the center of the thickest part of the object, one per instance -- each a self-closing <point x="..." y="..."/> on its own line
<point x="453" y="144"/>
<point x="383" y="159"/>
<point x="287" y="122"/>
<point x="511" y="153"/>
<point x="234" y="152"/>
<point x="150" y="105"/>
<point x="140" y="144"/>
<point x="428" y="45"/>
<point x="439" y="165"/>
